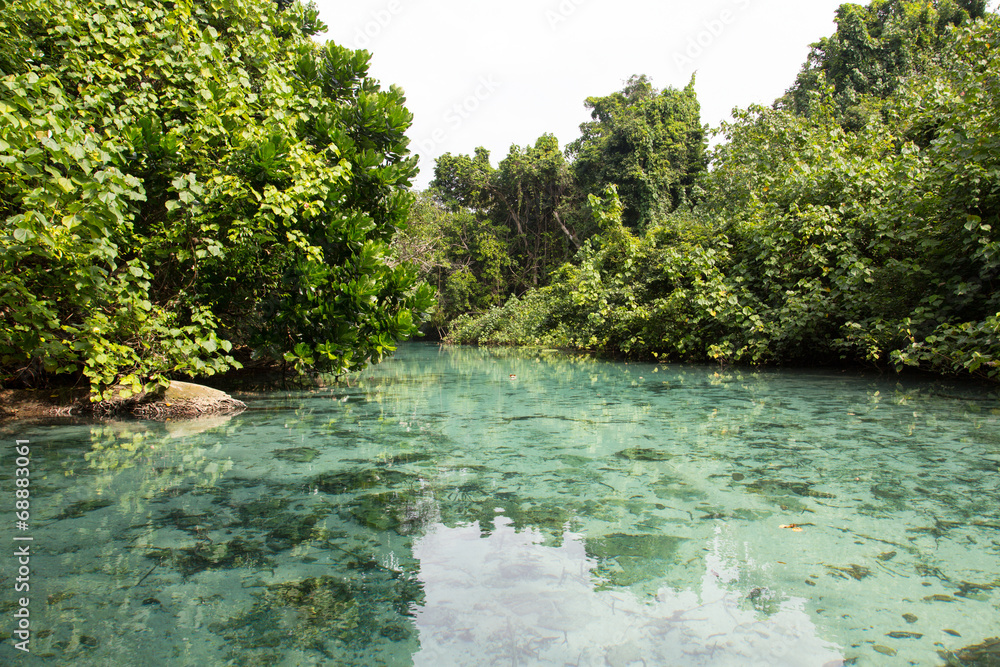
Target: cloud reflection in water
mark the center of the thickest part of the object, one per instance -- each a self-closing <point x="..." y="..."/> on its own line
<point x="506" y="598"/>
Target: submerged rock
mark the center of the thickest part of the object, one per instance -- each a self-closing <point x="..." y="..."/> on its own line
<point x="382" y="511"/>
<point x="336" y="483"/>
<point x="975" y="591"/>
<point x="403" y="459"/>
<point x="628" y="559"/>
<point x="213" y="556"/>
<point x="986" y="654"/>
<point x="81" y="507"/>
<point x="855" y="571"/>
<point x="777" y="487"/>
<point x="643" y="454"/>
<point x="292" y="532"/>
<point x="297" y="454"/>
<point x="342" y="620"/>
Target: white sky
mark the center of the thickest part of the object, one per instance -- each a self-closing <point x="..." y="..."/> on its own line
<point x="505" y="72"/>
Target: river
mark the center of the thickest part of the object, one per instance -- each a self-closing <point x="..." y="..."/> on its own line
<point x="459" y="506"/>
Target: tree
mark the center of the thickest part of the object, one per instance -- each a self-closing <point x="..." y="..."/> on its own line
<point x="648" y="143"/>
<point x="874" y="48"/>
<point x="533" y="209"/>
<point x="179" y="178"/>
<point x="527" y="203"/>
<point x="462" y="254"/>
<point x="463" y="181"/>
<point x="947" y="205"/>
<point x="813" y="243"/>
<point x="532" y="194"/>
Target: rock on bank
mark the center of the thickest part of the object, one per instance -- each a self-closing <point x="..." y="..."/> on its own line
<point x="180" y="400"/>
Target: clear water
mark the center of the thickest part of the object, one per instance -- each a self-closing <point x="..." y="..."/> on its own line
<point x="467" y="507"/>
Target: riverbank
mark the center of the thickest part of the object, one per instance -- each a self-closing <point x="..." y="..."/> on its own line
<point x="180" y="400"/>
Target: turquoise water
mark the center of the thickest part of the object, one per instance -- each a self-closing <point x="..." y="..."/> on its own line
<point x="468" y="507"/>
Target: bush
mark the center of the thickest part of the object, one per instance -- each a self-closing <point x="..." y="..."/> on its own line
<point x="182" y="178"/>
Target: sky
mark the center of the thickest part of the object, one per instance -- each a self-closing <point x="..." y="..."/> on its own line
<point x="496" y="73"/>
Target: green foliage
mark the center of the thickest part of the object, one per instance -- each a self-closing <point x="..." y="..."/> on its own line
<point x="464" y="257"/>
<point x="875" y="47"/>
<point x="649" y="143"/>
<point x="948" y="208"/>
<point x="482" y="233"/>
<point x="13" y="54"/>
<point x="463" y="181"/>
<point x="530" y="194"/>
<point x="813" y="243"/>
<point x="968" y="347"/>
<point x="637" y="296"/>
<point x="527" y="202"/>
<point x="502" y="231"/>
<point x="179" y="179"/>
<point x="521" y="322"/>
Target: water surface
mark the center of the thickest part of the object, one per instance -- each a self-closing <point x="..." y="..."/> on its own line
<point x="468" y="507"/>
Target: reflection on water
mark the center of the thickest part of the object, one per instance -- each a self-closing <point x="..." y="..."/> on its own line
<point x="463" y="506"/>
<point x="509" y="599"/>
